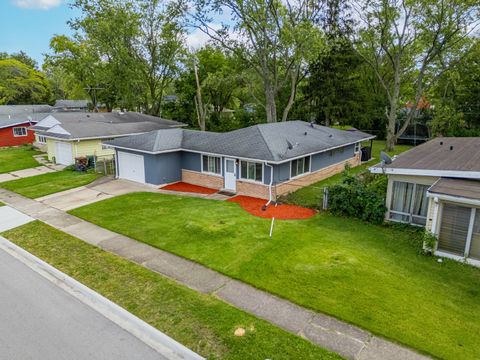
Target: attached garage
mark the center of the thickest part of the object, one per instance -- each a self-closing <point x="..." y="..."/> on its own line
<point x="131" y="167"/>
<point x="63" y="153"/>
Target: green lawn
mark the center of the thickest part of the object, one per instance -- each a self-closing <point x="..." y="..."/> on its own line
<point x="17" y="158"/>
<point x="372" y="276"/>
<point x="311" y="196"/>
<point x="46" y="184"/>
<point x="201" y="322"/>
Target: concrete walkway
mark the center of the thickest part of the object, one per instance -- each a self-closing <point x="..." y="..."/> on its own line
<point x="101" y="189"/>
<point x="323" y="330"/>
<point x="44" y="168"/>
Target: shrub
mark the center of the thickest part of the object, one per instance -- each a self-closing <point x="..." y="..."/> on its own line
<point x="359" y="196"/>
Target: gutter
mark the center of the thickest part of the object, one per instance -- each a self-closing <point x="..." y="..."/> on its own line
<point x="269" y="185"/>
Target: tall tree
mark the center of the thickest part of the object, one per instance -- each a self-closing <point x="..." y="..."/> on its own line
<point x="21" y="84"/>
<point x="273" y="37"/>
<point x="405" y="41"/>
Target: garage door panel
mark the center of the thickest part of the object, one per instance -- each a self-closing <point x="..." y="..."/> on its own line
<point x="131" y="167"/>
<point x="63" y="152"/>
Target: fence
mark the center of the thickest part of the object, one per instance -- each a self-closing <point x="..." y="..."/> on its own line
<point x="104" y="165"/>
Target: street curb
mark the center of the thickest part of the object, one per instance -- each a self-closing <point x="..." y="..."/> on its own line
<point x="146" y="333"/>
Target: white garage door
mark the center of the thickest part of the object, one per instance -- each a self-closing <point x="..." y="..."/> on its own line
<point x="131" y="167"/>
<point x="63" y="153"/>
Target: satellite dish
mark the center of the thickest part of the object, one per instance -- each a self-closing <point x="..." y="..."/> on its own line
<point x="385" y="158"/>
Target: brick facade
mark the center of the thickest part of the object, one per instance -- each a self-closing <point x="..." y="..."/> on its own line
<point x="252" y="189"/>
<point x="201" y="179"/>
<point x="295" y="184"/>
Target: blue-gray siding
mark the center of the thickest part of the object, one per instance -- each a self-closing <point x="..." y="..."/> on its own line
<point x="163" y="168"/>
<point x="167" y="167"/>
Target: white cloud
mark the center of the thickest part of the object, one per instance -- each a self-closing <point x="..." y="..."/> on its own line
<point x="37" y="4"/>
<point x="197" y="39"/>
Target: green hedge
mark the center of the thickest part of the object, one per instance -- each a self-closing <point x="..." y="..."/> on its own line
<point x="360" y="196"/>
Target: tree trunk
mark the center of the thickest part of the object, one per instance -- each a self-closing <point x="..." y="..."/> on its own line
<point x="293" y="93"/>
<point x="270" y="105"/>
<point x="201" y="113"/>
<point x="391" y="121"/>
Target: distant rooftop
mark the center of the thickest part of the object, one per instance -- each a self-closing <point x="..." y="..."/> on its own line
<point x="71" y="104"/>
<point x="24" y="109"/>
<point x="79" y="125"/>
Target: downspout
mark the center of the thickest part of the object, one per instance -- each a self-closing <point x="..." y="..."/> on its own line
<point x="269" y="185"/>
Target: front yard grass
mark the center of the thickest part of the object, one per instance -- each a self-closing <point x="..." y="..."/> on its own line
<point x="17" y="158"/>
<point x="40" y="185"/>
<point x="201" y="322"/>
<point x="311" y="196"/>
<point x="371" y="276"/>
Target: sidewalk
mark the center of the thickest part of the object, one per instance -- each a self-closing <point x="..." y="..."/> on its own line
<point x="325" y="331"/>
<point x="44" y="168"/>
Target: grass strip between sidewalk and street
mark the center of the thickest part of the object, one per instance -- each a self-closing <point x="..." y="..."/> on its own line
<point x="199" y="321"/>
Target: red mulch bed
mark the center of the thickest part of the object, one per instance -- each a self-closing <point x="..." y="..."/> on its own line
<point x="185" y="187"/>
<point x="283" y="212"/>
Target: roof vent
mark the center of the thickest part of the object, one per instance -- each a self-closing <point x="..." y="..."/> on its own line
<point x="451" y="147"/>
<point x="88" y="115"/>
<point x="330" y="136"/>
<point x="441" y="142"/>
<point x="312" y="123"/>
<point x="305" y="133"/>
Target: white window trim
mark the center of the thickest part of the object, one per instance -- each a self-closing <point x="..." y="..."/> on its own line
<point x="208" y="172"/>
<point x="358" y="147"/>
<point x="20" y="127"/>
<point x="410" y="215"/>
<point x="40" y="141"/>
<point x="302" y="174"/>
<point x="240" y="178"/>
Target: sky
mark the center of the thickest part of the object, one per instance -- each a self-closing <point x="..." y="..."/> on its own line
<point x="29" y="25"/>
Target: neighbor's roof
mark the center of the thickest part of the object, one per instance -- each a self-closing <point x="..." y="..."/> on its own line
<point x="270" y="142"/>
<point x="17" y="119"/>
<point x="23" y="109"/>
<point x="66" y="104"/>
<point x="82" y="125"/>
<point x="469" y="189"/>
<point x="447" y="153"/>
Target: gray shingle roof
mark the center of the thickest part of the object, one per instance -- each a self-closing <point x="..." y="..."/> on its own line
<point x="464" y="188"/>
<point x="66" y="104"/>
<point x="24" y="109"/>
<point x="7" y="120"/>
<point x="269" y="142"/>
<point x="447" y="153"/>
<point x="80" y="125"/>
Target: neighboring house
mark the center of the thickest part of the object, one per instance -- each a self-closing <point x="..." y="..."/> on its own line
<point x="71" y="105"/>
<point x="68" y="135"/>
<point x="265" y="160"/>
<point x="14" y="127"/>
<point x="437" y="185"/>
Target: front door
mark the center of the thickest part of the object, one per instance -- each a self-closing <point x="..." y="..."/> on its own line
<point x="230" y="175"/>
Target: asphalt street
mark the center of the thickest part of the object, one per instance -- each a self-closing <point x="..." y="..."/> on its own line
<point x="38" y="320"/>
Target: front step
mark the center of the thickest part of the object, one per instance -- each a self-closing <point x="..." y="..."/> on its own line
<point x="226" y="192"/>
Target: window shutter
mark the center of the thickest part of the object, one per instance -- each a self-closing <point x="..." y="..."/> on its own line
<point x="454" y="229"/>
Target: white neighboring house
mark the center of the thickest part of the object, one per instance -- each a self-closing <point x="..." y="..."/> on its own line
<point x="437" y="185"/>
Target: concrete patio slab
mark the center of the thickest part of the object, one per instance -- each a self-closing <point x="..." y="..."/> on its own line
<point x="71" y="199"/>
<point x="11" y="218"/>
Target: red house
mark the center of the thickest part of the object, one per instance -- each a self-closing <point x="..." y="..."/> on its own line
<point x="15" y="121"/>
<point x="15" y="131"/>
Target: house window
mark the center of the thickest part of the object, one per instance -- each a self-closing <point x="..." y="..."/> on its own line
<point x="41" y="139"/>
<point x="251" y="171"/>
<point x="19" y="131"/>
<point x="409" y="203"/>
<point x="460" y="231"/>
<point x="357" y="147"/>
<point x="300" y="166"/>
<point x="211" y="164"/>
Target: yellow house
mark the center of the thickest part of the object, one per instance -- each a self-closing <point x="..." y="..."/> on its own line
<point x="66" y="136"/>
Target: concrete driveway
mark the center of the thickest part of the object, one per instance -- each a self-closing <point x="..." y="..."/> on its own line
<point x="101" y="189"/>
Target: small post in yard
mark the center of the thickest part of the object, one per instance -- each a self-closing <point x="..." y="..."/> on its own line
<point x="271" y="226"/>
<point x="325" y="198"/>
